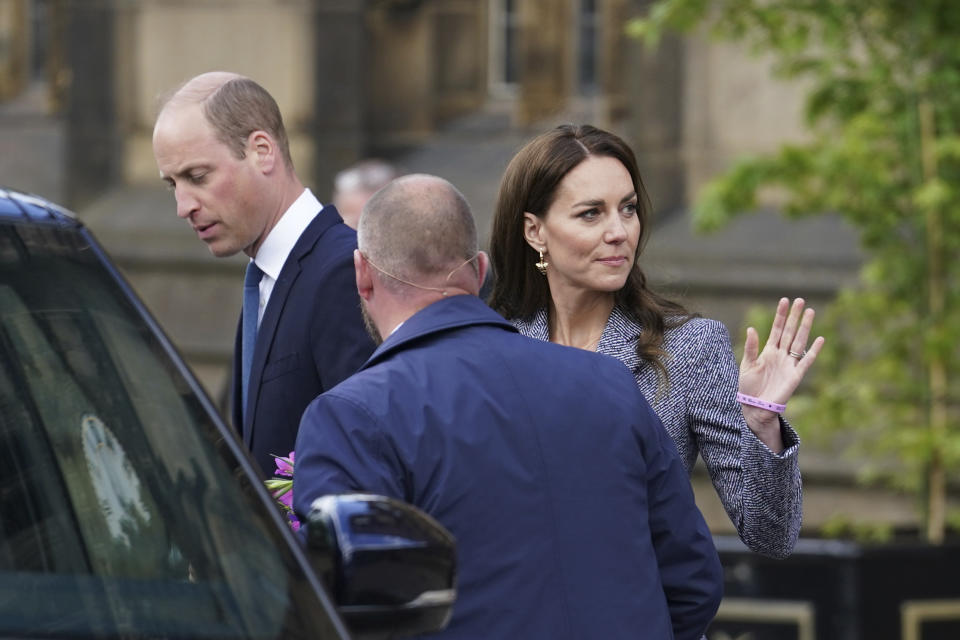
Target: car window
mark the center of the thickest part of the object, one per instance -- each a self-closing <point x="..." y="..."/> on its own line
<point x="123" y="513"/>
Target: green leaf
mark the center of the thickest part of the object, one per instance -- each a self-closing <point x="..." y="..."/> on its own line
<point x="934" y="194"/>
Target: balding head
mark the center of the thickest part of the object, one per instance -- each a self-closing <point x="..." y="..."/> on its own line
<point x="235" y="106"/>
<point x="419" y="228"/>
<point x="198" y="89"/>
<point x="353" y="186"/>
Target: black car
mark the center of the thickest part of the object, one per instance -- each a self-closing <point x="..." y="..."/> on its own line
<point x="127" y="507"/>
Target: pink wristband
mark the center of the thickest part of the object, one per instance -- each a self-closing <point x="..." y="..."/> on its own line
<point x="757" y="402"/>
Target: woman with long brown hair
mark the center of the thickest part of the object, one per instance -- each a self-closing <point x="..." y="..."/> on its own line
<point x="569" y="225"/>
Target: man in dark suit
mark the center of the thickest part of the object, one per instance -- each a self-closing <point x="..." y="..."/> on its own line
<point x="220" y="144"/>
<point x="572" y="511"/>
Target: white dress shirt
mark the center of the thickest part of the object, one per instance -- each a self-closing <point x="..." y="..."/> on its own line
<point x="280" y="241"/>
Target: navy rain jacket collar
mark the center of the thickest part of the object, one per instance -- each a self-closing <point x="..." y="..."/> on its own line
<point x="443" y="315"/>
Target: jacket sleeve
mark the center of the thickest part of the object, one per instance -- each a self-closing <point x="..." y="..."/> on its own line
<point x="690" y="569"/>
<point x="340" y="449"/>
<point x="760" y="490"/>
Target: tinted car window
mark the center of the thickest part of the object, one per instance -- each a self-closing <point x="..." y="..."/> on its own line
<point x="123" y="509"/>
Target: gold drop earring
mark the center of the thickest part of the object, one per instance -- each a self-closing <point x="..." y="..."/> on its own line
<point x="542" y="265"/>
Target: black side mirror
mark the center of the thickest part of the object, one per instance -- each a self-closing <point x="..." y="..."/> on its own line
<point x="390" y="567"/>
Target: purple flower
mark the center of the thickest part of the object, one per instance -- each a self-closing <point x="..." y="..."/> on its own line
<point x="284" y="465"/>
<point x="282" y="489"/>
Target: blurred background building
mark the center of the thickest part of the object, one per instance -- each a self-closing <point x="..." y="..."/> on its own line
<point x="451" y="87"/>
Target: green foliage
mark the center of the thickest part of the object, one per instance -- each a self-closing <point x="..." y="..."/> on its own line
<point x="953" y="521"/>
<point x="877" y="69"/>
<point x="839" y="526"/>
<point x="871" y="383"/>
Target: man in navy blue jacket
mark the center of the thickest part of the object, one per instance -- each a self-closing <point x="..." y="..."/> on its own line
<point x="220" y="144"/>
<point x="573" y="514"/>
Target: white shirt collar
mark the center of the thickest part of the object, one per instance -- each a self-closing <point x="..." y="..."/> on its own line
<point x="283" y="237"/>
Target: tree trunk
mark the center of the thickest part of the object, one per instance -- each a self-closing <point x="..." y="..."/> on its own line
<point x="937" y="370"/>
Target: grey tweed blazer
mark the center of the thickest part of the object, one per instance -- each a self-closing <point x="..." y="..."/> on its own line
<point x="760" y="490"/>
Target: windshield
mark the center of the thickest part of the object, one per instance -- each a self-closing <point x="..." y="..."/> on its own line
<point x="123" y="512"/>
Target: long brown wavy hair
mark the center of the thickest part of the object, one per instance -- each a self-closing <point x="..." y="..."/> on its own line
<point x="530" y="185"/>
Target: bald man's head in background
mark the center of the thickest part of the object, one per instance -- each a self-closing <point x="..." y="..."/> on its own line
<point x="417" y="243"/>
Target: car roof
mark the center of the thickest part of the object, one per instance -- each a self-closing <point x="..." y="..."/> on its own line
<point x="21" y="207"/>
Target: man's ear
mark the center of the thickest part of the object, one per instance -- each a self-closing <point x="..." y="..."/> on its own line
<point x="364" y="275"/>
<point x="533" y="231"/>
<point x="263" y="150"/>
<point x="483" y="265"/>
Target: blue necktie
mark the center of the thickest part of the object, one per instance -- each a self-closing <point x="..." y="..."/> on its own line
<point x="251" y="309"/>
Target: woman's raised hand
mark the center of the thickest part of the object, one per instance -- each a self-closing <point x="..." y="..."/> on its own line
<point x="774" y="373"/>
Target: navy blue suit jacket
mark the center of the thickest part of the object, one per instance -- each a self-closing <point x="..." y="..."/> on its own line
<point x="573" y="513"/>
<point x="310" y="338"/>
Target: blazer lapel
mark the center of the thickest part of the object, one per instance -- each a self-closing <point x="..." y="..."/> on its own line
<point x="271" y="315"/>
<point x="236" y="409"/>
<point x="619" y="339"/>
